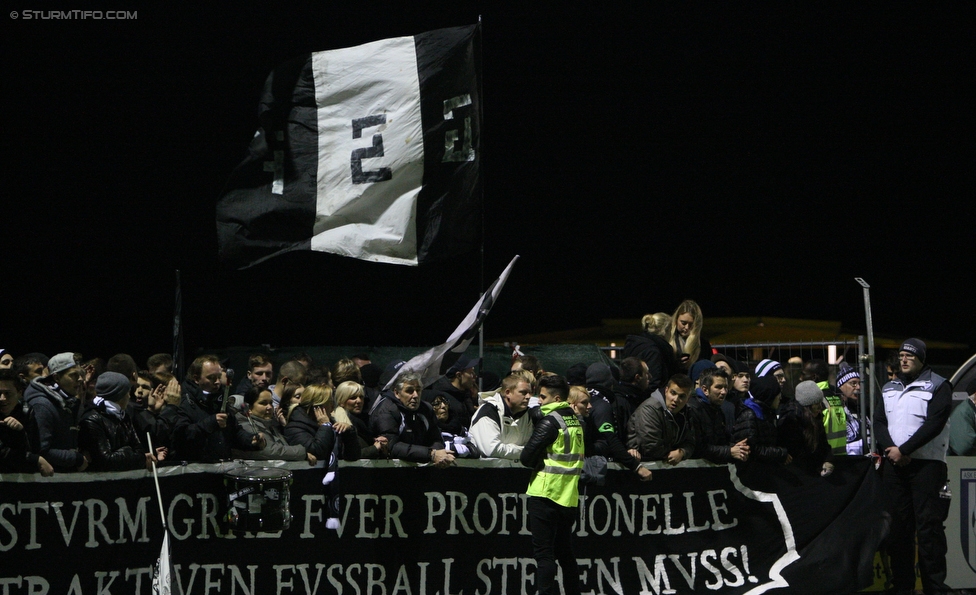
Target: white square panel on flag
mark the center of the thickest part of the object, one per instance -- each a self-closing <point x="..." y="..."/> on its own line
<point x="371" y="152"/>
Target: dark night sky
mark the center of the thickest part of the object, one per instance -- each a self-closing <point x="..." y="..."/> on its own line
<point x="753" y="157"/>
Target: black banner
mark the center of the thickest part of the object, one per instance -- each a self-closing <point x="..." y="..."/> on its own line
<point x="424" y="531"/>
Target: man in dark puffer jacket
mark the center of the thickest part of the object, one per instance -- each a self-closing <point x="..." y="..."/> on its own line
<point x="756" y="422"/>
<point x="712" y="439"/>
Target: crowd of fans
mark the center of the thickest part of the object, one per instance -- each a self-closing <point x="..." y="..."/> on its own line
<point x="670" y="398"/>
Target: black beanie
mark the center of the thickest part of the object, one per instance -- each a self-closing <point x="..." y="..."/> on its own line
<point x="765" y="389"/>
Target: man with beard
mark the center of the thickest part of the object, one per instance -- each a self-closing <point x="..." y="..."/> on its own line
<point x="849" y="385"/>
<point x="910" y="422"/>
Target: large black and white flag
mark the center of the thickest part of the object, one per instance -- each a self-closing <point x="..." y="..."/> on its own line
<point x="433" y="362"/>
<point x="371" y="152"/>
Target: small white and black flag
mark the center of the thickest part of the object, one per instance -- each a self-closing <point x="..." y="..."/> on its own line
<point x="371" y="152"/>
<point x="432" y="363"/>
<point x="162" y="576"/>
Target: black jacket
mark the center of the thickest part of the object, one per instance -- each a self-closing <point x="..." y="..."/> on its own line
<point x="792" y="429"/>
<point x="420" y="432"/>
<point x="626" y="398"/>
<point x="320" y="440"/>
<point x="146" y="421"/>
<point x="459" y="401"/>
<point x="52" y="430"/>
<point x="761" y="434"/>
<point x="712" y="438"/>
<point x="545" y="433"/>
<point x="367" y="446"/>
<point x="111" y="441"/>
<point x="15" y="455"/>
<point x="600" y="431"/>
<point x="657" y="353"/>
<point x="196" y="434"/>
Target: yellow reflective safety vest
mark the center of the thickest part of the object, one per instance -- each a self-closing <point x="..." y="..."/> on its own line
<point x="835" y="420"/>
<point x="558" y="480"/>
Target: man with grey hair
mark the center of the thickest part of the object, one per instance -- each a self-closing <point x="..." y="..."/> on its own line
<point x="54" y="401"/>
<point x="409" y="424"/>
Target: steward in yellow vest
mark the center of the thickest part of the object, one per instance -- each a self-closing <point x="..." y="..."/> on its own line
<point x="834" y="420"/>
<point x="555" y="453"/>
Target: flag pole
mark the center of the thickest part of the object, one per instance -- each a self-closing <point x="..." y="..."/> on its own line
<point x="159" y="494"/>
<point x="870" y="353"/>
<point x="481" y="282"/>
<point x="178" y="371"/>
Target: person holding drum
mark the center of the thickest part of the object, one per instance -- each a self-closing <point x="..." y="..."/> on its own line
<point x="258" y="417"/>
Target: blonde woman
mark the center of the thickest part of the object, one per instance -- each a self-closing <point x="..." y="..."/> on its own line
<point x="579" y="400"/>
<point x="685" y="337"/>
<point x="327" y="433"/>
<point x="350" y="397"/>
<point x="652" y="347"/>
<point x="323" y="430"/>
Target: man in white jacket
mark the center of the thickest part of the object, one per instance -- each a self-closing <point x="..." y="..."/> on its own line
<point x="501" y="427"/>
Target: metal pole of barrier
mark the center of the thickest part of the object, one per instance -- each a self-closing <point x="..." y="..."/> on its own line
<point x="863" y="426"/>
<point x="870" y="354"/>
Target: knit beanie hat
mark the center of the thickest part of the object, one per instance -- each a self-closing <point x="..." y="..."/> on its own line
<point x="599" y="374"/>
<point x="914" y="346"/>
<point x="765" y="389"/>
<point x="738" y="367"/>
<point x="700" y="366"/>
<point x="111" y="386"/>
<point x="845" y="373"/>
<point x="808" y="393"/>
<point x="767" y="367"/>
<point x="718" y="357"/>
<point x="61" y="362"/>
<point x="576" y="374"/>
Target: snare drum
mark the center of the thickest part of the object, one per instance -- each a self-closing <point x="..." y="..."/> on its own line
<point x="258" y="499"/>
